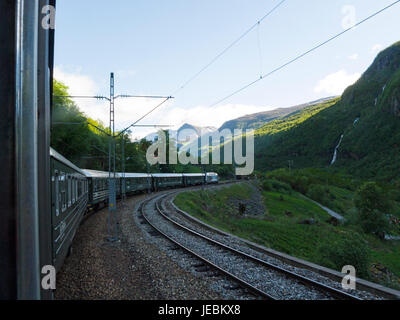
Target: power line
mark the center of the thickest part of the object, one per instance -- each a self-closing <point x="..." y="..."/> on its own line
<point x="228" y="47"/>
<point x="144" y="116"/>
<point x="212" y="61"/>
<point x="304" y="54"/>
<point x="84" y="97"/>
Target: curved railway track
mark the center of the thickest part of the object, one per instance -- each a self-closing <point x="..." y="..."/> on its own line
<point x="235" y="264"/>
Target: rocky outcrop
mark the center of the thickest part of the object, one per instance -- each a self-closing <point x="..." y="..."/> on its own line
<point x="254" y="206"/>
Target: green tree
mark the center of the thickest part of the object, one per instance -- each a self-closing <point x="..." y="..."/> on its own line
<point x="351" y="250"/>
<point x="372" y="204"/>
<point x="84" y="144"/>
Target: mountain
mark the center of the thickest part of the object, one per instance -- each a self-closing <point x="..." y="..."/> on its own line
<point x="257" y="120"/>
<point x="198" y="130"/>
<point x="154" y="135"/>
<point x="194" y="132"/>
<point x="363" y="127"/>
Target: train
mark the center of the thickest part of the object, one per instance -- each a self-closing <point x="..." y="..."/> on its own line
<point x="75" y="192"/>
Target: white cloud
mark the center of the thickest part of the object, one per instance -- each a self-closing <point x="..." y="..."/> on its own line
<point x="129" y="110"/>
<point x="336" y="83"/>
<point x="82" y="85"/>
<point x="354" y="56"/>
<point x="377" y="48"/>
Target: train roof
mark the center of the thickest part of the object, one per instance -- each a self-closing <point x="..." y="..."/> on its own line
<point x="194" y="174"/>
<point x="134" y="175"/>
<point x="98" y="174"/>
<point x="59" y="157"/>
<point x="165" y="175"/>
<point x="212" y="173"/>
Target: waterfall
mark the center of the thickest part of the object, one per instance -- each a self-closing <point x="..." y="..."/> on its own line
<point x="336" y="150"/>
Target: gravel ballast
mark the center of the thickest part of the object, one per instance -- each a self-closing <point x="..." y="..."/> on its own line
<point x="130" y="269"/>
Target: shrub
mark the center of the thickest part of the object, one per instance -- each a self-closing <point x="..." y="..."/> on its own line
<point x="371" y="197"/>
<point x="394" y="195"/>
<point x="374" y="222"/>
<point x="351" y="250"/>
<point x="371" y="204"/>
<point x="275" y="185"/>
<point x="301" y="184"/>
<point x="318" y="193"/>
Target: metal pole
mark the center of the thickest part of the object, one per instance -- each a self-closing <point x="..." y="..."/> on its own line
<point x="27" y="213"/>
<point x="44" y="120"/>
<point x="112" y="150"/>
<point x="111" y="166"/>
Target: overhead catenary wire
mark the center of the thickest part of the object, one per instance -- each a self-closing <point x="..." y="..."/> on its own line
<point x="211" y="62"/>
<point x="228" y="47"/>
<point x="145" y="115"/>
<point x="304" y="54"/>
<point x="260" y="56"/>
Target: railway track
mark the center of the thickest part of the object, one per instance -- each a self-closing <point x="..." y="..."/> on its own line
<point x="261" y="278"/>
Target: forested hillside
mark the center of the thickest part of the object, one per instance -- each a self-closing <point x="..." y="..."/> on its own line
<point x="367" y="115"/>
<point x="257" y="120"/>
<point x="84" y="144"/>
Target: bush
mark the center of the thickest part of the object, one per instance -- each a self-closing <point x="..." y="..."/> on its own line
<point x="371" y="197"/>
<point x="373" y="222"/>
<point x="272" y="185"/>
<point x="371" y="204"/>
<point x="394" y="195"/>
<point x="318" y="193"/>
<point x="351" y="250"/>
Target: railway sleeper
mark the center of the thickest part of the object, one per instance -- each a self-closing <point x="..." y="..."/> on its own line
<point x="203" y="269"/>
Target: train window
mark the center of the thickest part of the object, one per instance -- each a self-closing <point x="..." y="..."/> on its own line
<point x="73" y="189"/>
<point x="69" y="190"/>
<point x="56" y="192"/>
<point x="79" y="189"/>
<point x="63" y="197"/>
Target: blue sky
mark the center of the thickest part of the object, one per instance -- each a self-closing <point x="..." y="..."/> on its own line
<point x="153" y="47"/>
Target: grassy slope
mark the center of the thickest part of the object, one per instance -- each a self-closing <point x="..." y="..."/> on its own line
<point x="279" y="231"/>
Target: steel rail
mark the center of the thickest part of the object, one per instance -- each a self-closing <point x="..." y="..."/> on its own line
<point x="306" y="281"/>
<point x="242" y="283"/>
